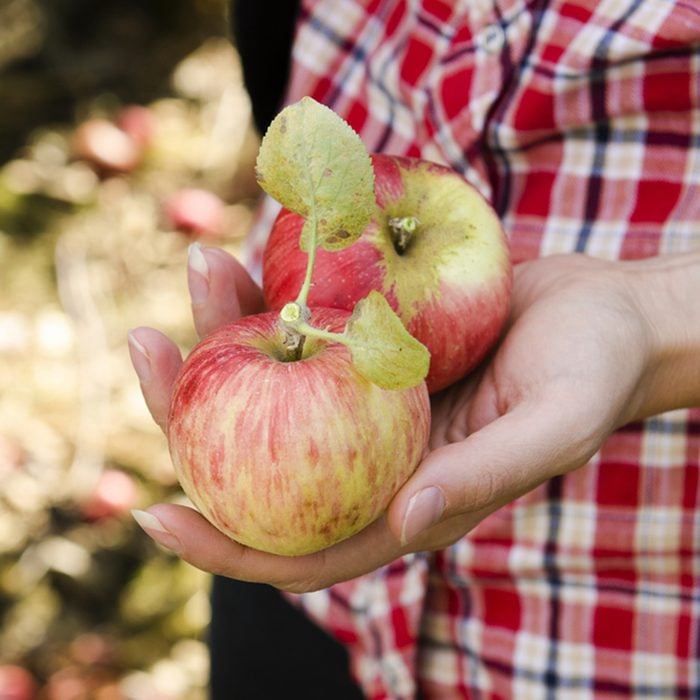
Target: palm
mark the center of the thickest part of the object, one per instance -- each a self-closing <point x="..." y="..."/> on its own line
<point x="553" y="390"/>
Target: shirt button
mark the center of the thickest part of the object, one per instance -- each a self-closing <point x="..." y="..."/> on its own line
<point x="492" y="38"/>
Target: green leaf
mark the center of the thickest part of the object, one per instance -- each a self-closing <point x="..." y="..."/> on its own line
<point x="313" y="163"/>
<point x="382" y="349"/>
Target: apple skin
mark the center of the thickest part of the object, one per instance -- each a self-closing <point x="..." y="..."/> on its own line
<point x="451" y="286"/>
<point x="290" y="457"/>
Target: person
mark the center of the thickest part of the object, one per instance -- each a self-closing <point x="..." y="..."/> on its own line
<point x="547" y="546"/>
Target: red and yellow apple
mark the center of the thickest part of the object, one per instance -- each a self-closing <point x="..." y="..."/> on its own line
<point x="435" y="249"/>
<point x="290" y="456"/>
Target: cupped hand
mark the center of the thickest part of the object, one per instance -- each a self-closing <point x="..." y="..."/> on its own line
<point x="570" y="369"/>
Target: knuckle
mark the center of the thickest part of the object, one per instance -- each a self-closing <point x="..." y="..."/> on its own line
<point x="312" y="576"/>
<point x="487" y="490"/>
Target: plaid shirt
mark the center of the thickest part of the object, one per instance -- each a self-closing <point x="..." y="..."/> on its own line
<point x="580" y="120"/>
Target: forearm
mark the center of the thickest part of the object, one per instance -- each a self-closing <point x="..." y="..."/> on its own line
<point x="666" y="290"/>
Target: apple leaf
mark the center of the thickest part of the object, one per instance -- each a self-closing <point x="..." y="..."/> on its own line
<point x="313" y="163"/>
<point x="382" y="349"/>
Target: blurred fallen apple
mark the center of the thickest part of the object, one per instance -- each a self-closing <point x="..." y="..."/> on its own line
<point x="16" y="683"/>
<point x="107" y="147"/>
<point x="196" y="212"/>
<point x="114" y="495"/>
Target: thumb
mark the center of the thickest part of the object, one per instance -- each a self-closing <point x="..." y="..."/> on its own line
<point x="491" y="467"/>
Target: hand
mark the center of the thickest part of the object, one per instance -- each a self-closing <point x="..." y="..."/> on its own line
<point x="579" y="359"/>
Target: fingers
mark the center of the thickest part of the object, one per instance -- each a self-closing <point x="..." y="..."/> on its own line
<point x="156" y="360"/>
<point x="186" y="532"/>
<point x="493" y="466"/>
<point x="220" y="288"/>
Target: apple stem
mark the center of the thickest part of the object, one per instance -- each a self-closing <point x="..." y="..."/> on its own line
<point x="291" y="316"/>
<point x="294" y="344"/>
<point x="402" y="230"/>
<point x="295" y="325"/>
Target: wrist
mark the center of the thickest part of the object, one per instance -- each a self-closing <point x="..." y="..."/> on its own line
<point x="665" y="290"/>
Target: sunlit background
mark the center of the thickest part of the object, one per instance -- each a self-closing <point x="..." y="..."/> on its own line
<point x="107" y="110"/>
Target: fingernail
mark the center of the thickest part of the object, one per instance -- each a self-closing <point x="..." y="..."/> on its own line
<point x="197" y="274"/>
<point x="156" y="530"/>
<point x="424" y="509"/>
<point x="139" y="358"/>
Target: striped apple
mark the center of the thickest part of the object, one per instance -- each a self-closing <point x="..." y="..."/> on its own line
<point x="290" y="456"/>
<point x="435" y="249"/>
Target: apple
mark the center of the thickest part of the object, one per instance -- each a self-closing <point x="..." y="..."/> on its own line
<point x="139" y="123"/>
<point x="16" y="683"/>
<point x="435" y="249"/>
<point x="114" y="495"/>
<point x="290" y="455"/>
<point x="196" y="212"/>
<point x="107" y="147"/>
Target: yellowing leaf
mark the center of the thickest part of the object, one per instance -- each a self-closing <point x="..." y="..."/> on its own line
<point x="313" y="163"/>
<point x="381" y="347"/>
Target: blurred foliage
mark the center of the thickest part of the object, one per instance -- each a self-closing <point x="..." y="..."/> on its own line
<point x="55" y="53"/>
<point x="89" y="606"/>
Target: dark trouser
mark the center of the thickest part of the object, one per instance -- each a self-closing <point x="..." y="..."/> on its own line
<point x="263" y="648"/>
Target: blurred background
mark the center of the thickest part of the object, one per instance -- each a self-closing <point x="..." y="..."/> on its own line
<point x="125" y="134"/>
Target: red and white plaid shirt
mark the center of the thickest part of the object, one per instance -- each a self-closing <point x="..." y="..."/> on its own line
<point x="580" y="120"/>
